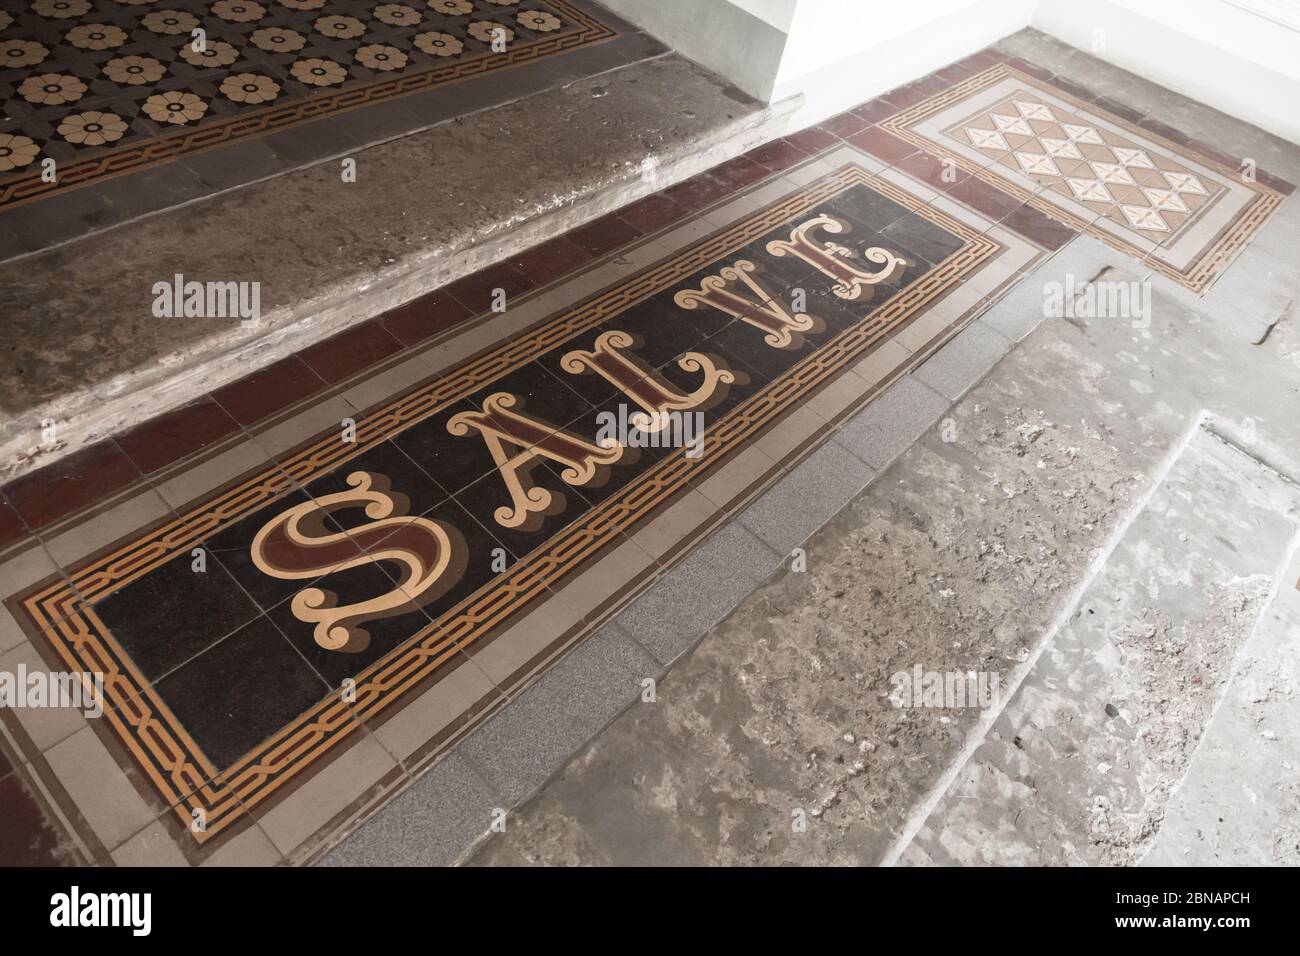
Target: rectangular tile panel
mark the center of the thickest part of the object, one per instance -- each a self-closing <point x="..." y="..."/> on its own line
<point x="484" y="520"/>
<point x="1184" y="215"/>
<point x="104" y="88"/>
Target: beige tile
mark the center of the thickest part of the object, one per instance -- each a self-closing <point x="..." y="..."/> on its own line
<point x="801" y="176"/>
<point x="789" y="433"/>
<point x="917" y="336"/>
<point x="102" y="793"/>
<point x="327" y="794"/>
<point x="512" y="654"/>
<point x="729" y="482"/>
<point x="962" y="214"/>
<point x="831" y="400"/>
<point x="432" y="710"/>
<point x="519" y="643"/>
<point x="445" y="357"/>
<point x="909" y="185"/>
<point x="152" y="846"/>
<point x="251" y="847"/>
<point x="750" y="202"/>
<point x="46" y="726"/>
<point x="19" y="573"/>
<point x="881" y="363"/>
<point x="682" y="236"/>
<point x="679" y="519"/>
<point x="374" y="389"/>
<point x="316" y="419"/>
<point x="116" y="522"/>
<point x="193" y="483"/>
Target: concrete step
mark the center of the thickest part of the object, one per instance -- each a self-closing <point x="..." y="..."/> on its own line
<point x="86" y="356"/>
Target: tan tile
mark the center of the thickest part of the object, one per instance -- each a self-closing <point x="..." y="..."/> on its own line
<point x="376" y="389"/>
<point x="677" y="520"/>
<point x="430" y="711"/>
<point x="250" y="847"/>
<point x="152" y="846"/>
<point x="99" y="788"/>
<point x="46" y="726"/>
<point x="789" y="433"/>
<point x="316" y="419"/>
<point x="881" y="362"/>
<point x="103" y="529"/>
<point x="332" y="790"/>
<point x="20" y="572"/>
<point x="731" y="481"/>
<point x="193" y="483"/>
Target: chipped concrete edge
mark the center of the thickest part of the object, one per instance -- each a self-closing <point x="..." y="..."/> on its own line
<point x="101" y="409"/>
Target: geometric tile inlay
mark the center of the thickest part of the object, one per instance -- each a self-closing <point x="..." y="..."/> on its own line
<point x="350" y="578"/>
<point x="1184" y="215"/>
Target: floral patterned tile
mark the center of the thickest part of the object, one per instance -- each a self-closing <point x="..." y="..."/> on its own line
<point x="94" y="88"/>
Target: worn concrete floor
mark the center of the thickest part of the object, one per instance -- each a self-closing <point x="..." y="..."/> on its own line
<point x="1109" y="522"/>
<point x="87" y="354"/>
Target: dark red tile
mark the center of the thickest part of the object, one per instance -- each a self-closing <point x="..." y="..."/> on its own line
<point x="1116" y="108"/>
<point x="1212" y="154"/>
<point x="350" y="351"/>
<point x="652" y="213"/>
<point x="739" y="172"/>
<point x="552" y="259"/>
<point x="478" y="290"/>
<point x="11" y="526"/>
<point x="26" y="837"/>
<point x="903" y="97"/>
<point x="884" y="145"/>
<point x="777" y="155"/>
<point x="875" y="110"/>
<point x="263" y="393"/>
<point x="955" y="73"/>
<point x="813" y="140"/>
<point x="71" y="484"/>
<point x="980" y="196"/>
<point x="604" y="235"/>
<point x="931" y="170"/>
<point x="916" y="91"/>
<point x="1076" y="90"/>
<point x="981" y="61"/>
<point x="846" y="124"/>
<point x="697" y="192"/>
<point x="171" y="437"/>
<point x="1042" y="229"/>
<point x="1024" y="66"/>
<point x="425" y="316"/>
<point x="1168" y="132"/>
<point x="1273" y="182"/>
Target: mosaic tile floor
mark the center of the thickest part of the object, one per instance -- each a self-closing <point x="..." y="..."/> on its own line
<point x="1186" y="215"/>
<point x="105" y="88"/>
<point x="308" y="587"/>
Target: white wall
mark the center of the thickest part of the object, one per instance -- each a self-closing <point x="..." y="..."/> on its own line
<point x="742" y="40"/>
<point x="837" y="53"/>
<point x="841" y="52"/>
<point x="1214" y="51"/>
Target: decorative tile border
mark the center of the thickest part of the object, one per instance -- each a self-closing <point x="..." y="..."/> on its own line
<point x="84" y="82"/>
<point x="175" y="765"/>
<point x="1211" y="228"/>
